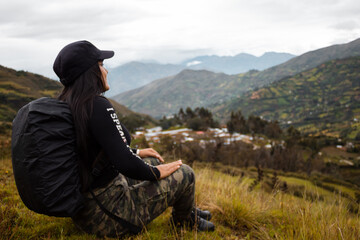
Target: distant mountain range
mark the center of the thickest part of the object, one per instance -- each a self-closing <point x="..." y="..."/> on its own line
<point x="195" y="88"/>
<point x="240" y="63"/>
<point x="136" y="74"/>
<point x="324" y="99"/>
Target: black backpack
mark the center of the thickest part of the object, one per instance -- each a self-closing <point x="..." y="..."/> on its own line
<point x="45" y="162"/>
<point x="44" y="158"/>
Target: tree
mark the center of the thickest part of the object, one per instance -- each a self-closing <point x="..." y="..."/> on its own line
<point x="189" y="113"/>
<point x="196" y="124"/>
<point x="181" y="115"/>
<point x="256" y="124"/>
<point x="357" y="137"/>
<point x="273" y="130"/>
<point x="293" y="136"/>
<point x="237" y="123"/>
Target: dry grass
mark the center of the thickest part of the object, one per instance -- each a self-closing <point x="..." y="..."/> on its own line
<point x="237" y="213"/>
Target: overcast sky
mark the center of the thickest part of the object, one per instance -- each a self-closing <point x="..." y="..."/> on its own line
<point x="32" y="32"/>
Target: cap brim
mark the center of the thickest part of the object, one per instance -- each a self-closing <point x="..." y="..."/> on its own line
<point x="106" y="54"/>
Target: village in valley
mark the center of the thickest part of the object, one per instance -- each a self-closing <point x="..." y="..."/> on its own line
<point x="215" y="137"/>
<point x="153" y="135"/>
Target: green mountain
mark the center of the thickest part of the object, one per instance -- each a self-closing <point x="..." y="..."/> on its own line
<point x="306" y="61"/>
<point x="168" y="95"/>
<point x="136" y="74"/>
<point x="325" y="98"/>
<point x="203" y="88"/>
<point x="17" y="88"/>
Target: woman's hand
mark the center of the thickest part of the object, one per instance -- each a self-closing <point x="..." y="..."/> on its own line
<point x="167" y="169"/>
<point x="149" y="152"/>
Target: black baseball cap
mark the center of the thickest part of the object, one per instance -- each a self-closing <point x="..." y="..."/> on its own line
<point x="75" y="58"/>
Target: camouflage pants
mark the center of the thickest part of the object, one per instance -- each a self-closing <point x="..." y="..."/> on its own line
<point x="138" y="202"/>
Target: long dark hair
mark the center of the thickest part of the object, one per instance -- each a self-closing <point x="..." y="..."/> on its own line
<point x="80" y="96"/>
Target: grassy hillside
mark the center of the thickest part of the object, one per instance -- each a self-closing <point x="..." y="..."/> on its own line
<point x="324" y="99"/>
<point x="302" y="211"/>
<point x="17" y="88"/>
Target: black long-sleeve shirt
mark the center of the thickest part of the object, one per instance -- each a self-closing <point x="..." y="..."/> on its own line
<point x="111" y="138"/>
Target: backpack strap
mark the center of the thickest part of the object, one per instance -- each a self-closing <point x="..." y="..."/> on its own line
<point x="133" y="228"/>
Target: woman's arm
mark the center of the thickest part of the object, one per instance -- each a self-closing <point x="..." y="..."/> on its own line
<point x="106" y="129"/>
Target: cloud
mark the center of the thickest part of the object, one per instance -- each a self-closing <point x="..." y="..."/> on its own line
<point x="347" y="25"/>
<point x="63" y="19"/>
<point x="170" y="31"/>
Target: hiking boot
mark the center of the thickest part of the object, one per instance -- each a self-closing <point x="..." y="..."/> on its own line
<point x="203" y="214"/>
<point x="203" y="225"/>
<point x="194" y="221"/>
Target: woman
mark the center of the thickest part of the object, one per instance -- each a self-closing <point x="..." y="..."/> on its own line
<point x="124" y="188"/>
